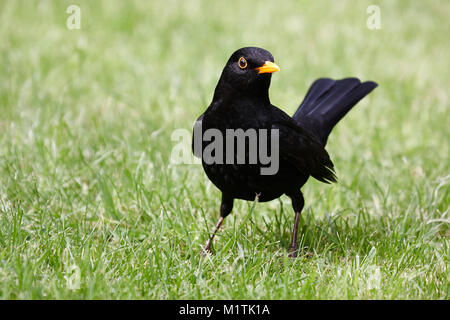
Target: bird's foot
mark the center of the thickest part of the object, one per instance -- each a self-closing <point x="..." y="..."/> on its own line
<point x="206" y="250"/>
<point x="292" y="252"/>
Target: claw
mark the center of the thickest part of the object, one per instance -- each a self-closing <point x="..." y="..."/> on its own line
<point x="292" y="252"/>
<point x="206" y="250"/>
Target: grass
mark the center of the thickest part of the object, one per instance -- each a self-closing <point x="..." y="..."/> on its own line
<point x="91" y="207"/>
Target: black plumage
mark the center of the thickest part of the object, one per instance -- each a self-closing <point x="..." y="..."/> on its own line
<point x="241" y="101"/>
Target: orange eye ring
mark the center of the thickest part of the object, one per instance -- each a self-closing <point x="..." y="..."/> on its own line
<point x="242" y="63"/>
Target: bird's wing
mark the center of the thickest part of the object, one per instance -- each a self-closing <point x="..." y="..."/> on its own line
<point x="303" y="150"/>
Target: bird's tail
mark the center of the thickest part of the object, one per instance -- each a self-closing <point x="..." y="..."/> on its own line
<point x="327" y="101"/>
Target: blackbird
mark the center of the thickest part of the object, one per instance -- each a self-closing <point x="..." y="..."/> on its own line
<point x="241" y="101"/>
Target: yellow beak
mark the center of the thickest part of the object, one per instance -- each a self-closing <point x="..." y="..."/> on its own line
<point x="268" y="67"/>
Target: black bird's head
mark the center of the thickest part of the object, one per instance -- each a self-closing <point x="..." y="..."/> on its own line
<point x="247" y="72"/>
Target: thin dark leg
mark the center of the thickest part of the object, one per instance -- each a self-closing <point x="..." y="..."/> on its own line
<point x="207" y="248"/>
<point x="297" y="203"/>
<point x="294" y="247"/>
<point x="225" y="209"/>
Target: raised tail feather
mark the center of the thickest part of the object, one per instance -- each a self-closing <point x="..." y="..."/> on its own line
<point x="327" y="101"/>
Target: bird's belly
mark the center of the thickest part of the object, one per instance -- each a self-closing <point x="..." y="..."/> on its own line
<point x="246" y="182"/>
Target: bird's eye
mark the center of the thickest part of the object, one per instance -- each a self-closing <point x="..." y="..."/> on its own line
<point x="242" y="63"/>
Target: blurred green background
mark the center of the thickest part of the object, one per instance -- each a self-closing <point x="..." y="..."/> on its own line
<point x="91" y="207"/>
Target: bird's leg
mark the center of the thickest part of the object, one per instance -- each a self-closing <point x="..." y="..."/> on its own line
<point x="294" y="247"/>
<point x="207" y="248"/>
<point x="297" y="203"/>
<point x="225" y="209"/>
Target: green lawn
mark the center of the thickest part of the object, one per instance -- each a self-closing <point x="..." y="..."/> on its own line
<point x="91" y="207"/>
